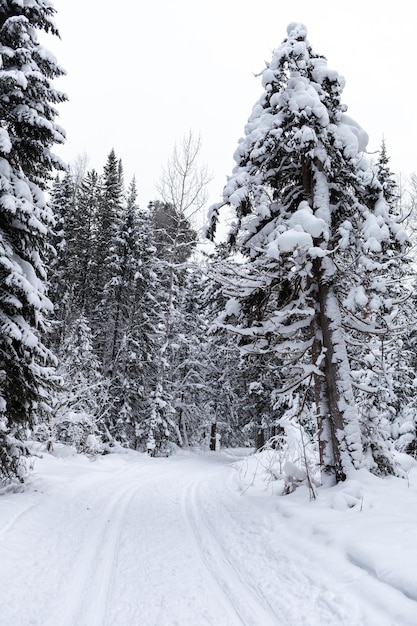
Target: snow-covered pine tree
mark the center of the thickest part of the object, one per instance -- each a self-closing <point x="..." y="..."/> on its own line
<point x="63" y="255"/>
<point x="88" y="202"/>
<point x="386" y="176"/>
<point x="128" y="254"/>
<point x="394" y="365"/>
<point x="122" y="264"/>
<point x="182" y="188"/>
<point x="189" y="360"/>
<point x="381" y="366"/>
<point x="143" y="336"/>
<point x="107" y="261"/>
<point x="316" y="236"/>
<point x="27" y="133"/>
<point x="73" y="266"/>
<point x="132" y="321"/>
<point x="404" y="381"/>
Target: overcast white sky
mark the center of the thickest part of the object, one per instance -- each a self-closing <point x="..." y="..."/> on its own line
<point x="141" y="75"/>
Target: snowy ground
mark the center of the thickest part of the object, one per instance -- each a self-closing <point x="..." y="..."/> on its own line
<point x="201" y="539"/>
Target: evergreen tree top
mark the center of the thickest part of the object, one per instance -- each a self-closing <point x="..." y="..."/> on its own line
<point x="386" y="176"/>
<point x="298" y="120"/>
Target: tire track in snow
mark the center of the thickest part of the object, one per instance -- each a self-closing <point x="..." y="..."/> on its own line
<point x="245" y="601"/>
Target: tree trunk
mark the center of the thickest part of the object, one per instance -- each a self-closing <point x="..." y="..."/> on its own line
<point x="341" y="424"/>
<point x="260" y="438"/>
<point x="213" y="433"/>
<point x="182" y="427"/>
<point x="328" y="450"/>
<point x="324" y="426"/>
<point x="340" y="442"/>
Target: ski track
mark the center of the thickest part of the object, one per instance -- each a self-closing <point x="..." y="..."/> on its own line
<point x="247" y="607"/>
<point x="88" y="596"/>
<point x="80" y="549"/>
<point x="86" y="600"/>
<point x="234" y="535"/>
<point x="15" y="519"/>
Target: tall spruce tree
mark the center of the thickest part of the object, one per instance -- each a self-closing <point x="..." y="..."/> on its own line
<point x="143" y="337"/>
<point x="88" y="201"/>
<point x="27" y="133"/>
<point x="108" y="223"/>
<point x="63" y="255"/>
<point x="386" y="176"/>
<point x="125" y="263"/>
<point x="131" y="308"/>
<point x="317" y="238"/>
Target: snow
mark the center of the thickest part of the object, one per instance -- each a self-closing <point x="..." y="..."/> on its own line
<point x="5" y="143"/>
<point x="5" y="169"/>
<point x="303" y="227"/>
<point x="289" y="241"/>
<point x="352" y="136"/>
<point x="296" y="29"/>
<point x="13" y="75"/>
<point x="356" y="298"/>
<point x="25" y="277"/>
<point x="232" y="307"/>
<point x="305" y="218"/>
<point x="204" y="538"/>
<point x="22" y="190"/>
<point x="375" y="231"/>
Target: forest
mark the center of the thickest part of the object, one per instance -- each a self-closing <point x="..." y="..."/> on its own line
<point x="122" y="326"/>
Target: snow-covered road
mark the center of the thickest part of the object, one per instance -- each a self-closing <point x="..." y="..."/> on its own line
<point x="128" y="540"/>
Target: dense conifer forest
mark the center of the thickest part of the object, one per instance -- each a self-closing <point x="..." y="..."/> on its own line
<point x="122" y="326"/>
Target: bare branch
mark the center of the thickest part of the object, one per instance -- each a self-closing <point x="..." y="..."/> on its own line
<point x="184" y="181"/>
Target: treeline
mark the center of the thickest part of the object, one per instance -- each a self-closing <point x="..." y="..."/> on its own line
<point x="139" y="364"/>
<point x="128" y="329"/>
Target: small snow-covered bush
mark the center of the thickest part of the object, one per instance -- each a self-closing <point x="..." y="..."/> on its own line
<point x="77" y="429"/>
<point x="289" y="459"/>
